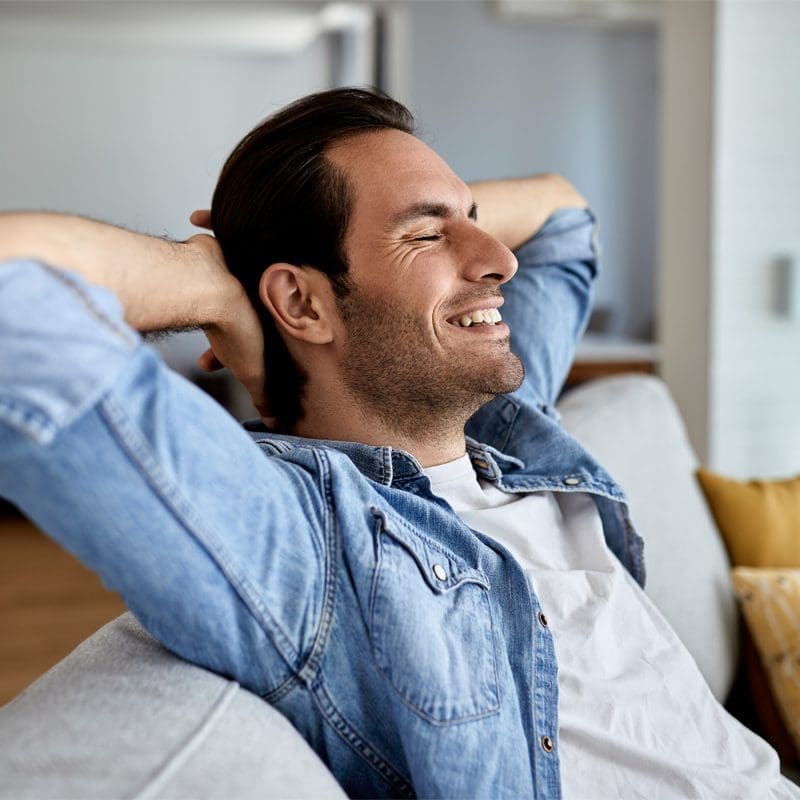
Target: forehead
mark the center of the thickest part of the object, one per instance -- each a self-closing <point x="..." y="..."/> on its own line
<point x="389" y="171"/>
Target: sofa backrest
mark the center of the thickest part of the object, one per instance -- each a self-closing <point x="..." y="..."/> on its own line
<point x="632" y="426"/>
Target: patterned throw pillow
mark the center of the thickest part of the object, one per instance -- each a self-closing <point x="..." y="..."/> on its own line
<point x="770" y="602"/>
<point x="759" y="520"/>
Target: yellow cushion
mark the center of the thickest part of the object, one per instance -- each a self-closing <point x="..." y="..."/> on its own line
<point x="770" y="601"/>
<point x="759" y="520"/>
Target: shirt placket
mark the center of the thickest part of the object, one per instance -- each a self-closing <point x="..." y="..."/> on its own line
<point x="544" y="756"/>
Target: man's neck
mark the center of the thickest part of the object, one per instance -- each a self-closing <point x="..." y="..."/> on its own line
<point x="430" y="444"/>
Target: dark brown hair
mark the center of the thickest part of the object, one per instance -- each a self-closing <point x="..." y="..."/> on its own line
<point x="279" y="199"/>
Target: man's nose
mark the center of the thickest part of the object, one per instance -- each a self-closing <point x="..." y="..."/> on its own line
<point x="489" y="261"/>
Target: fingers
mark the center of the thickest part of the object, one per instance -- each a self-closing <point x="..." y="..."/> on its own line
<point x="201" y="218"/>
<point x="270" y="423"/>
<point x="208" y="362"/>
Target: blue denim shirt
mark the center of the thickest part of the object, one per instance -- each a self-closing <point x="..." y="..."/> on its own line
<point x="405" y="647"/>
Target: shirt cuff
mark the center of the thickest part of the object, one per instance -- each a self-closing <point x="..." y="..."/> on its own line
<point x="568" y="235"/>
<point x="63" y="343"/>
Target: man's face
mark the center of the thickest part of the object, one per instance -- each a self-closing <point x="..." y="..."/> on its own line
<point x="422" y="272"/>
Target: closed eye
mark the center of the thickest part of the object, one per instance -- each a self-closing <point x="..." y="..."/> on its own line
<point x="432" y="237"/>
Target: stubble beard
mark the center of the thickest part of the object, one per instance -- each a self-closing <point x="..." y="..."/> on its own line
<point x="391" y="367"/>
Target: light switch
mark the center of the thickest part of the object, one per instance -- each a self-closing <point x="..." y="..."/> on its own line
<point x="787" y="287"/>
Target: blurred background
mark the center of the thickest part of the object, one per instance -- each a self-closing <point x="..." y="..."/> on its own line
<point x="678" y="120"/>
<point x="125" y="111"/>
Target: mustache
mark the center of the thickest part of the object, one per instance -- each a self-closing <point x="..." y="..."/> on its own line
<point x="474" y="296"/>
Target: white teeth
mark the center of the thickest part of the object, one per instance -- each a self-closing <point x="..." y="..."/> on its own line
<point x="489" y="316"/>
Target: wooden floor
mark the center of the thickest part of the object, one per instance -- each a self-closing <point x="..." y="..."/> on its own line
<point x="49" y="603"/>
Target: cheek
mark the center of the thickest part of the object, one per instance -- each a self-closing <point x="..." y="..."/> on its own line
<point x="414" y="290"/>
<point x="419" y="296"/>
<point x="428" y="293"/>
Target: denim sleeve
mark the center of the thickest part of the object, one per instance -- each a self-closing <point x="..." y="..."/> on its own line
<point x="217" y="549"/>
<point x="547" y="306"/>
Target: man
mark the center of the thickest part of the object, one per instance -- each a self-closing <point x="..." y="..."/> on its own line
<point x="438" y="616"/>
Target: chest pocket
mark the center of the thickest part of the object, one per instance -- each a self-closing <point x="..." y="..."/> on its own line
<point x="431" y="627"/>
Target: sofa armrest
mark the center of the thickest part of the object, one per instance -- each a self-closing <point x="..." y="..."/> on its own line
<point x="123" y="717"/>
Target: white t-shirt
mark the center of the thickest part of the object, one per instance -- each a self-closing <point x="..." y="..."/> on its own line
<point x="636" y="717"/>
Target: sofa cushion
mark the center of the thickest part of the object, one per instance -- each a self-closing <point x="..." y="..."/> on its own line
<point x="759" y="520"/>
<point x="631" y="425"/>
<point x="770" y="601"/>
<point x="122" y="717"/>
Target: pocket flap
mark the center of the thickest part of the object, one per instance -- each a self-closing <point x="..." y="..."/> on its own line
<point x="441" y="569"/>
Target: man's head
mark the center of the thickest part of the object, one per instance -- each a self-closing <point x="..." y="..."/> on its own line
<point x="359" y="248"/>
<point x="279" y="199"/>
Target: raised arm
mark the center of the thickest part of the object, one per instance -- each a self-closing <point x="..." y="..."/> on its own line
<point x="139" y="474"/>
<point x="514" y="210"/>
<point x="160" y="284"/>
<point x="545" y="221"/>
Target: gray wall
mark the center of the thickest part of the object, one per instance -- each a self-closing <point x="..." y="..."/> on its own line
<point x="500" y="97"/>
<point x="135" y="136"/>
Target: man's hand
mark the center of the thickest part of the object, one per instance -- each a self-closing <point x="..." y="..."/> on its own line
<point x="234" y="333"/>
<point x="161" y="284"/>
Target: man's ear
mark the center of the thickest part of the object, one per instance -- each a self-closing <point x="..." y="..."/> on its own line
<point x="300" y="300"/>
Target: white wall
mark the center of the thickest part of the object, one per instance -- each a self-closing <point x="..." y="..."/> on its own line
<point x="730" y="208"/>
<point x="755" y="366"/>
<point x="500" y="97"/>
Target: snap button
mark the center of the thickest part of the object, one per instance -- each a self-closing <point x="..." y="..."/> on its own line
<point x="547" y="744"/>
<point x="480" y="463"/>
<point x="543" y="619"/>
<point x="439" y="572"/>
<point x="572" y="481"/>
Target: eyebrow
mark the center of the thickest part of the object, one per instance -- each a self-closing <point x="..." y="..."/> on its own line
<point x="423" y="210"/>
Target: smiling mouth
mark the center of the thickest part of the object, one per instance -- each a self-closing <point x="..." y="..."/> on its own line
<point x="484" y="316"/>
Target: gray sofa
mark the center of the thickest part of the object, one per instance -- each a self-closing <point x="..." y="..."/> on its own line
<point x="122" y="717"/>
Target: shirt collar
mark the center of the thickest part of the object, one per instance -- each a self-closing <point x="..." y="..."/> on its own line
<point x="384" y="464"/>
